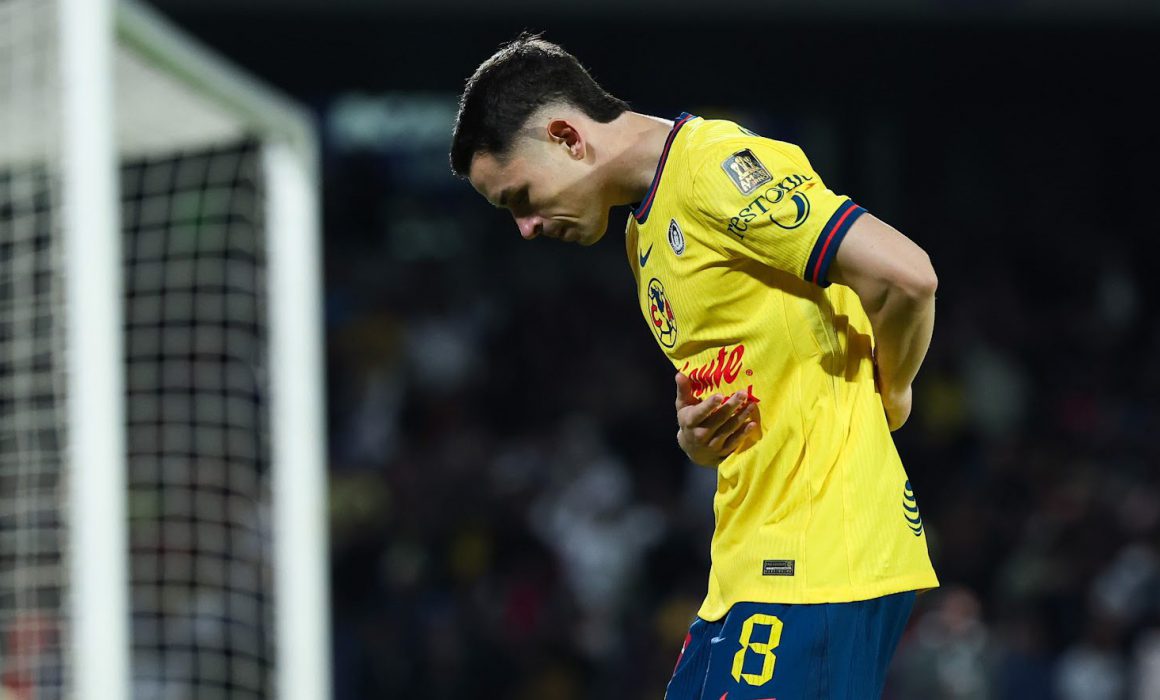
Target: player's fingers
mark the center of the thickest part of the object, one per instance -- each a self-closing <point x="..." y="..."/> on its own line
<point x="724" y="412"/>
<point x="733" y="422"/>
<point x="746" y="430"/>
<point x="685" y="395"/>
<point x="693" y="416"/>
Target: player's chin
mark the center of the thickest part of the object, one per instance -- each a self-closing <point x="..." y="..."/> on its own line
<point x="591" y="235"/>
<point x="592" y="238"/>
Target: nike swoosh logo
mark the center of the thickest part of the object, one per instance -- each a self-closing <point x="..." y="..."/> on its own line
<point x="644" y="256"/>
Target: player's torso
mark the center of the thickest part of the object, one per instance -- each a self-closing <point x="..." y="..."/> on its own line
<point x="711" y="314"/>
<point x="796" y="512"/>
<point x="713" y="311"/>
<point x="731" y="323"/>
<point x="734" y="325"/>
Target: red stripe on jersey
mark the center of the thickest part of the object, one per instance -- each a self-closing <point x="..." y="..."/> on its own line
<point x="688" y="636"/>
<point x="838" y="225"/>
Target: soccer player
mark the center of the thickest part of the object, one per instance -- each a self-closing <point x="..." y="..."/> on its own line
<point x="796" y="322"/>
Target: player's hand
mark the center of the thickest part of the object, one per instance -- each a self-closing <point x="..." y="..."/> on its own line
<point x="712" y="429"/>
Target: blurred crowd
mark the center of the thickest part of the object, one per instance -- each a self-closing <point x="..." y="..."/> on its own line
<point x="512" y="517"/>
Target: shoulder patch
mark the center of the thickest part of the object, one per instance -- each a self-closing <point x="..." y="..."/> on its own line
<point x="746" y="171"/>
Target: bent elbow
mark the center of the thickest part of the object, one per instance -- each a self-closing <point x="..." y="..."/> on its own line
<point x="920" y="282"/>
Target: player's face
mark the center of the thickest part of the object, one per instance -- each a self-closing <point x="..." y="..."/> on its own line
<point x="548" y="193"/>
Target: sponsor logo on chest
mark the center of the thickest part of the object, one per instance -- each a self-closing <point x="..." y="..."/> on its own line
<point x="722" y="369"/>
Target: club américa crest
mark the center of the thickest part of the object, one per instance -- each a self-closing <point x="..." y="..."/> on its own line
<point x="664" y="322"/>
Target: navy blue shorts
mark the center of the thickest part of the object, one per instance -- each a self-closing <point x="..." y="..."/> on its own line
<point x="828" y="651"/>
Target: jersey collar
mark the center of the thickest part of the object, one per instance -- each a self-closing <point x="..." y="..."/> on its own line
<point x="640" y="211"/>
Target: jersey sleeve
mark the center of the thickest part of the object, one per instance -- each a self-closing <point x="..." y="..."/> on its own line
<point x="767" y="203"/>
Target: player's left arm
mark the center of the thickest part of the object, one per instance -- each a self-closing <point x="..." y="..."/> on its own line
<point x="895" y="281"/>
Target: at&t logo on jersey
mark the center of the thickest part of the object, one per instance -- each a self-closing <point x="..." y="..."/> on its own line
<point x="910" y="506"/>
<point x="664" y="322"/>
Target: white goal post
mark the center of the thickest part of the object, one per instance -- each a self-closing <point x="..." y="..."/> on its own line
<point x="162" y="447"/>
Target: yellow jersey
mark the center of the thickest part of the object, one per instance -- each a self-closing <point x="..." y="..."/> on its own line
<point x="730" y="251"/>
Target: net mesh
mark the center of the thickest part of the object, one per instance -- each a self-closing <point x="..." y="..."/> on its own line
<point x="33" y="582"/>
<point x="195" y="376"/>
<point x="197" y="424"/>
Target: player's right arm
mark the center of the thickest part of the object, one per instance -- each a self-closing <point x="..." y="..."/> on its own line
<point x="895" y="281"/>
<point x="775" y="209"/>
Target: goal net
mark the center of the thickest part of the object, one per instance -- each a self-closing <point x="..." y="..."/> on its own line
<point x="193" y="399"/>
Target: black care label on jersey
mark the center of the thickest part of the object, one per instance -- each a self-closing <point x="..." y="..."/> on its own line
<point x="777" y="567"/>
<point x="746" y="171"/>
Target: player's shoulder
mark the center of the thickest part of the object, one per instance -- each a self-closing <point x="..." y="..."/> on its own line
<point x="723" y="145"/>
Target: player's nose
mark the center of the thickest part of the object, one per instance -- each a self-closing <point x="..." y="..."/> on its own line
<point x="530" y="226"/>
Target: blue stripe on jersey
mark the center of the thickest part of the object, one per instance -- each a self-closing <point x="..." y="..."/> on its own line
<point x="826" y="247"/>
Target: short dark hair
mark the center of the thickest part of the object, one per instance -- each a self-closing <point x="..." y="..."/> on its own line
<point x="521" y="77"/>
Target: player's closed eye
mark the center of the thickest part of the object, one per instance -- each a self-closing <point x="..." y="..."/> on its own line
<point x="519" y="202"/>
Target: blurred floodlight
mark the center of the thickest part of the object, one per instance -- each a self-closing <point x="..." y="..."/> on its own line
<point x="391" y="122"/>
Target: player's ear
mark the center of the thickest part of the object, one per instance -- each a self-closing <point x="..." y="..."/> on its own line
<point x="562" y="132"/>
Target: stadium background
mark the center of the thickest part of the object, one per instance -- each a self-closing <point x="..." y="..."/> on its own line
<point x="511" y="517"/>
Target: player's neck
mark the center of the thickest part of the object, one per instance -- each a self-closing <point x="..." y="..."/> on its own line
<point x="641" y="140"/>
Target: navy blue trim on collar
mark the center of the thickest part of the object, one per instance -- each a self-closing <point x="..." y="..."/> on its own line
<point x="640" y="211"/>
